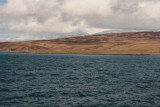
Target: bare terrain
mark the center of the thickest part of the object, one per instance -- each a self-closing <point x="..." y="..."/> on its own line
<point x="114" y="43"/>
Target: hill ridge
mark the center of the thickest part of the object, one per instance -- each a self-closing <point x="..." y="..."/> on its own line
<point x="146" y="42"/>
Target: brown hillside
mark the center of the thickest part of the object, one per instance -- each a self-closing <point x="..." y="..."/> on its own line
<point x="117" y="43"/>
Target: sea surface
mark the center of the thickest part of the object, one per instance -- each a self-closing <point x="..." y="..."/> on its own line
<point x="59" y="80"/>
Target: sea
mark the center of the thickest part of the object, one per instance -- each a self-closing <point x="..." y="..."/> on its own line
<point x="67" y="80"/>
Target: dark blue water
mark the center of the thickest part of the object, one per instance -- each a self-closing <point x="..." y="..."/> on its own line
<point x="52" y="80"/>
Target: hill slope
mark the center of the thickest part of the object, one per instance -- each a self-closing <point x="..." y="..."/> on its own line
<point x="116" y="43"/>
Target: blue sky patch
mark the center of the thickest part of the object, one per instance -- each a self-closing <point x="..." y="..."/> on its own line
<point x="3" y="1"/>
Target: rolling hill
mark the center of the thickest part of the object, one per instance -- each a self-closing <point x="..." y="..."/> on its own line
<point x="113" y="43"/>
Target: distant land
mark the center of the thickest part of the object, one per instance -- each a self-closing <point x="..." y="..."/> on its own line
<point x="112" y="43"/>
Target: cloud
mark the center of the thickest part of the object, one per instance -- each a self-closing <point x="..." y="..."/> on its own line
<point x="64" y="16"/>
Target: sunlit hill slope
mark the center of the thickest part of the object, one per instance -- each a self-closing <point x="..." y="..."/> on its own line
<point x="113" y="43"/>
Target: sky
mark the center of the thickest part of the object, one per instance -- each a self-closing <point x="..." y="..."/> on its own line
<point x="3" y="1"/>
<point x="44" y="19"/>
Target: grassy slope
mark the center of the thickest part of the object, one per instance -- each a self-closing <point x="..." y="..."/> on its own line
<point x="117" y="43"/>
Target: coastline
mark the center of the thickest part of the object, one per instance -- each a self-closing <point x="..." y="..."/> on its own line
<point x="82" y="53"/>
<point x="133" y="43"/>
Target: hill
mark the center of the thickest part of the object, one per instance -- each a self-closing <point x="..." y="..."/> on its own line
<point x="113" y="43"/>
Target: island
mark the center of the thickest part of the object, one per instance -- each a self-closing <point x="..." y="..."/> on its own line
<point x="146" y="42"/>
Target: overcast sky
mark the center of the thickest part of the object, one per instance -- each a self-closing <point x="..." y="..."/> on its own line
<point x="22" y="19"/>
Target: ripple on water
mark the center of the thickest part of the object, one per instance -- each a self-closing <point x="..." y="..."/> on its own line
<point x="39" y="80"/>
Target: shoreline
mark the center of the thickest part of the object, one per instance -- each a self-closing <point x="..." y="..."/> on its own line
<point x="140" y="43"/>
<point x="80" y="53"/>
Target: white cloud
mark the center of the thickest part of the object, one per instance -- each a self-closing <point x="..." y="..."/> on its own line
<point x="63" y="16"/>
<point x="87" y="8"/>
<point x="149" y="9"/>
